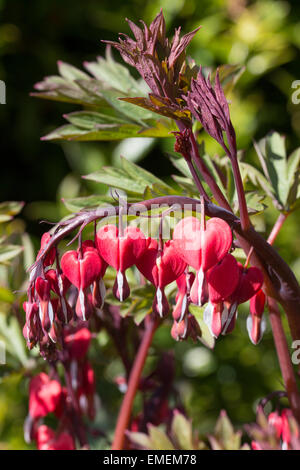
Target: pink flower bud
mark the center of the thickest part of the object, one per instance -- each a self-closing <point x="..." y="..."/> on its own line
<point x="179" y="329"/>
<point x="255" y="323"/>
<point x="184" y="283"/>
<point x="275" y="420"/>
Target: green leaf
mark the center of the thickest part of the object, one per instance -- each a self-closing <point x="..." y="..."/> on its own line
<point x="293" y="172"/>
<point x="249" y="172"/>
<point x="106" y="132"/>
<point x="159" y="106"/>
<point x="116" y="178"/>
<point x="29" y="253"/>
<point x="140" y="439"/>
<point x="277" y="166"/>
<point x="295" y="206"/>
<point x="159" y="439"/>
<point x="206" y="338"/>
<point x="279" y="172"/>
<point x="10" y="333"/>
<point x="180" y="164"/>
<point x="124" y="105"/>
<point x="69" y="72"/>
<point x="78" y="203"/>
<point x="7" y="252"/>
<point x="186" y="184"/>
<point x="6" y="295"/>
<point x="229" y="75"/>
<point x="182" y="432"/>
<point x="92" y="120"/>
<point x="9" y="209"/>
<point x="132" y="179"/>
<point x="142" y="177"/>
<point x="225" y="434"/>
<point x="293" y="165"/>
<point x="56" y="88"/>
<point x="114" y="74"/>
<point x="255" y="203"/>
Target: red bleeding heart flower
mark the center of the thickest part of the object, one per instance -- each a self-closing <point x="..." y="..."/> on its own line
<point x="202" y="249"/>
<point x="250" y="282"/>
<point x="31" y="328"/>
<point x="82" y="268"/>
<point x="188" y="327"/>
<point x="255" y="322"/>
<point x="184" y="283"/>
<point x="44" y="395"/>
<point x="47" y="439"/>
<point x="275" y="420"/>
<point x="161" y="267"/>
<point x="46" y="312"/>
<point x="77" y="343"/>
<point x="121" y="252"/>
<point x="222" y="281"/>
<point x="285" y="426"/>
<point x="86" y="390"/>
<point x="59" y="284"/>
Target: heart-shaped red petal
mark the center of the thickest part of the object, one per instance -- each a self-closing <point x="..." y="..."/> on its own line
<point x="187" y="241"/>
<point x="81" y="271"/>
<point x="217" y="241"/>
<point x="223" y="279"/>
<point x="251" y="281"/>
<point x="164" y="269"/>
<point x="257" y="303"/>
<point x="121" y="252"/>
<point x="202" y="249"/>
<point x="146" y="264"/>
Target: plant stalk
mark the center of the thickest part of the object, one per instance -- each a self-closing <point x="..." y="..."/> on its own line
<point x="277" y="226"/>
<point x="285" y="363"/>
<point x="133" y="384"/>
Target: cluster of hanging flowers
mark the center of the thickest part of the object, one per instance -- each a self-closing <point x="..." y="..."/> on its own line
<point x="279" y="430"/>
<point x="48" y="396"/>
<point x="75" y="288"/>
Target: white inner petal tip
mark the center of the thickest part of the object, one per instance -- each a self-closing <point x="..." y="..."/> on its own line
<point x="120" y="282"/>
<point x="200" y="276"/>
<point x="232" y="312"/>
<point x="183" y="308"/>
<point x="159" y="301"/>
<point x="82" y="305"/>
<point x="207" y="316"/>
<point x="50" y="312"/>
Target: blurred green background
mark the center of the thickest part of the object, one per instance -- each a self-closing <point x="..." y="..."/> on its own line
<point x="263" y="36"/>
